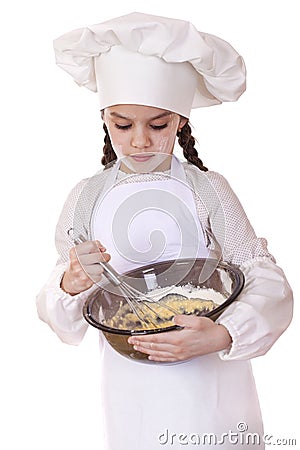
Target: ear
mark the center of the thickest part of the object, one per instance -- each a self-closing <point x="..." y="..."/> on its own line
<point x="182" y="122"/>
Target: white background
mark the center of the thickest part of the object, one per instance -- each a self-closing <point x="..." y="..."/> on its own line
<point x="51" y="137"/>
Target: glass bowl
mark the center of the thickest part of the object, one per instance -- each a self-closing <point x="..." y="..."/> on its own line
<point x="219" y="279"/>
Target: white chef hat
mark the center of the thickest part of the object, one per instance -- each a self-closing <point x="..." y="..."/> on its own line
<point x="151" y="60"/>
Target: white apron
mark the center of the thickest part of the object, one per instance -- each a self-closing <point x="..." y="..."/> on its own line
<point x="151" y="407"/>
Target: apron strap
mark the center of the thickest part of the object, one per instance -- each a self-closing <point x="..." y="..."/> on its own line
<point x="111" y="178"/>
<point x="177" y="170"/>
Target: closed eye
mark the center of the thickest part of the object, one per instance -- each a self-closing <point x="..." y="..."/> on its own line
<point x="159" y="127"/>
<point x="154" y="127"/>
<point x="122" y="127"/>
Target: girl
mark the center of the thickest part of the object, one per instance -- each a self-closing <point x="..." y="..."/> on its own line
<point x="149" y="72"/>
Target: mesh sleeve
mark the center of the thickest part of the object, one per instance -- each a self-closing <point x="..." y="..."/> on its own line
<point x="63" y="240"/>
<point x="225" y="219"/>
<point x="76" y="213"/>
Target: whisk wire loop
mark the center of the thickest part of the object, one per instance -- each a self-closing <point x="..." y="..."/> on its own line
<point x="136" y="299"/>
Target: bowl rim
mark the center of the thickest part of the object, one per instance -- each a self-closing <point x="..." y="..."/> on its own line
<point x="232" y="268"/>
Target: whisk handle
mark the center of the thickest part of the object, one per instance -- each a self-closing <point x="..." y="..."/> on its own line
<point x="109" y="272"/>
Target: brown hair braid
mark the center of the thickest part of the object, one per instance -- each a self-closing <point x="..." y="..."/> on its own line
<point x="187" y="142"/>
<point x="108" y="151"/>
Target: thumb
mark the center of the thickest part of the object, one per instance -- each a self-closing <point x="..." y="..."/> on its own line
<point x="100" y="246"/>
<point x="186" y="321"/>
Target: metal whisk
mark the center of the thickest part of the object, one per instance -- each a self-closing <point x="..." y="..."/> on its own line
<point x="138" y="301"/>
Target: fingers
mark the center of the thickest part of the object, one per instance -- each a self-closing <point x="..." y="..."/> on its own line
<point x="192" y="322"/>
<point x="159" y="348"/>
<point x="84" y="269"/>
<point x="198" y="337"/>
<point x="158" y="352"/>
<point x="187" y="321"/>
<point x="90" y="254"/>
<point x="89" y="247"/>
<point x="89" y="258"/>
<point x="152" y="348"/>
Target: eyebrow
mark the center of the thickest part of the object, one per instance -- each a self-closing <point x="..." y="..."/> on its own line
<point x="120" y="116"/>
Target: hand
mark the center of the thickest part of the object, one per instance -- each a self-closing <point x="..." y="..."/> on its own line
<point x="200" y="336"/>
<point x="84" y="269"/>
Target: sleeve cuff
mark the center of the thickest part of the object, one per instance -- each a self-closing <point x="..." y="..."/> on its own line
<point x="66" y="298"/>
<point x="62" y="311"/>
<point x="261" y="313"/>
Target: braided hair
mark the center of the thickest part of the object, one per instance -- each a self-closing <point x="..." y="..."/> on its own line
<point x="108" y="152"/>
<point x="187" y="143"/>
<point x="185" y="140"/>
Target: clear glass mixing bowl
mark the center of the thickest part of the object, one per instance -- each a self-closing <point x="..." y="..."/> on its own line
<point x="223" y="278"/>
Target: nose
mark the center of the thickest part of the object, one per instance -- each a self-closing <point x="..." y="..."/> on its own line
<point x="140" y="138"/>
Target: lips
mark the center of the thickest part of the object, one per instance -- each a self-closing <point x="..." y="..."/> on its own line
<point x="142" y="158"/>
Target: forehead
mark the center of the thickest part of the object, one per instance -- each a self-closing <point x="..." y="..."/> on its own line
<point x="137" y="112"/>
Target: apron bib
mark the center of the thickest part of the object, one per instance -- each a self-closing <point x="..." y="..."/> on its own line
<point x="149" y="406"/>
<point x="146" y="222"/>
